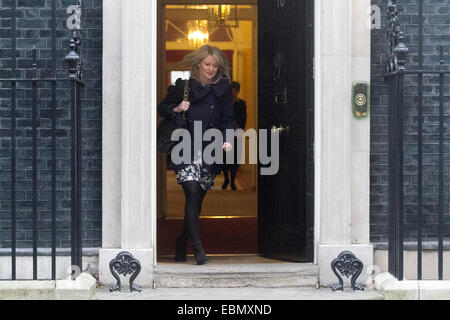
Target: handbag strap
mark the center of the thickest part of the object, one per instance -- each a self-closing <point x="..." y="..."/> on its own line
<point x="186" y="91"/>
<point x="186" y="95"/>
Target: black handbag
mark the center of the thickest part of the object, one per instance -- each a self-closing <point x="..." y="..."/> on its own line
<point x="169" y="125"/>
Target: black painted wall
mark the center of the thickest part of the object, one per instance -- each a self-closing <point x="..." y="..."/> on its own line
<point x="436" y="32"/>
<point x="34" y="28"/>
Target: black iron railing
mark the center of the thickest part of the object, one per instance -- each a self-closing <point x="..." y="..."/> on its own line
<point x="33" y="83"/>
<point x="395" y="78"/>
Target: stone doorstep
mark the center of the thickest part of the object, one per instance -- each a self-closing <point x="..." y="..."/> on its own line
<point x="393" y="289"/>
<point x="236" y="276"/>
<point x="82" y="288"/>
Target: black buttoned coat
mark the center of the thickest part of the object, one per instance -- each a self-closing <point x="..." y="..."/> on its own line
<point x="212" y="105"/>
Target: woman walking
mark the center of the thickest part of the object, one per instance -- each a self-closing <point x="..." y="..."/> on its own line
<point x="210" y="102"/>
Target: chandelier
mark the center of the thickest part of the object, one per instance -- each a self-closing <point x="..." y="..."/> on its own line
<point x="222" y="13"/>
<point x="198" y="32"/>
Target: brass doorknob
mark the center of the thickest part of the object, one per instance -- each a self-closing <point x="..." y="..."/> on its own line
<point x="280" y="129"/>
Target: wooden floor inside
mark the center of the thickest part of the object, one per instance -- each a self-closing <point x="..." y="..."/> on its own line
<point x="228" y="223"/>
<point x="235" y="259"/>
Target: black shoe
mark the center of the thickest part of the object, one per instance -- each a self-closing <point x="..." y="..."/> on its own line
<point x="199" y="254"/>
<point x="233" y="187"/>
<point x="180" y="253"/>
<point x="225" y="185"/>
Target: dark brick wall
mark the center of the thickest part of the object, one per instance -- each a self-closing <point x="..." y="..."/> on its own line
<point x="436" y="32"/>
<point x="34" y="28"/>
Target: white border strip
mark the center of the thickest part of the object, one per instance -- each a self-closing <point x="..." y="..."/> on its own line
<point x="153" y="107"/>
<point x="317" y="124"/>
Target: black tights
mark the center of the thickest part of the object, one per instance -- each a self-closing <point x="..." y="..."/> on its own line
<point x="194" y="195"/>
<point x="233" y="168"/>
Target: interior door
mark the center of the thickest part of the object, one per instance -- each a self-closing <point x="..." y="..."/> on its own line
<point x="286" y="87"/>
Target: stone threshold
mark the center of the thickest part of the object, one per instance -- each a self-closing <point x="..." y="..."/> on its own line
<point x="263" y="275"/>
<point x="82" y="288"/>
<point x="393" y="289"/>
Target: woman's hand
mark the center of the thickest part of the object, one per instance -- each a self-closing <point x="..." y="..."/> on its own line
<point x="182" y="107"/>
<point x="227" y="147"/>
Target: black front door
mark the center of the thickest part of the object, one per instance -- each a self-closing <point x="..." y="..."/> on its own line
<point x="286" y="104"/>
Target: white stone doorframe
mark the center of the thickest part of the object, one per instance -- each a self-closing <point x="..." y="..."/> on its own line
<point x="129" y="136"/>
<point x="342" y="143"/>
<point x="342" y="48"/>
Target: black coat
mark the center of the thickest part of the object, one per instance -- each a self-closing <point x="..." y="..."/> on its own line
<point x="240" y="112"/>
<point x="212" y="105"/>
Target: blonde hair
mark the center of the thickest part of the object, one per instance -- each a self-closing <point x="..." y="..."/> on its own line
<point x="193" y="59"/>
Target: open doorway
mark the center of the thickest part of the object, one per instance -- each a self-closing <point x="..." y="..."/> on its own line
<point x="273" y="62"/>
<point x="228" y="223"/>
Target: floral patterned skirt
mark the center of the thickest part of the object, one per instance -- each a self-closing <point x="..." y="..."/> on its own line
<point x="196" y="172"/>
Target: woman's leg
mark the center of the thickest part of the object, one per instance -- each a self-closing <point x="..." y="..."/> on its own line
<point x="194" y="195"/>
<point x="185" y="232"/>
<point x="235" y="166"/>
<point x="234" y="170"/>
<point x="225" y="174"/>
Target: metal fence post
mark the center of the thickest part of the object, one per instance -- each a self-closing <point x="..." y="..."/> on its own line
<point x="73" y="59"/>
